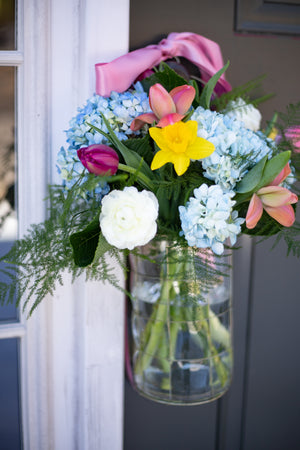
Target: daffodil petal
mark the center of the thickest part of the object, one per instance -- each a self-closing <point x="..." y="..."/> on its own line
<point x="158" y="135"/>
<point x="254" y="212"/>
<point x="160" y="159"/>
<point x="201" y="148"/>
<point x="181" y="164"/>
<point x="285" y="214"/>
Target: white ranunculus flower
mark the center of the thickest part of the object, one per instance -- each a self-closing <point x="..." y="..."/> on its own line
<point x="244" y="112"/>
<point x="128" y="217"/>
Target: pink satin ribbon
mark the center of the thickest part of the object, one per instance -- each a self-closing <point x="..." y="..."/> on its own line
<point x="119" y="74"/>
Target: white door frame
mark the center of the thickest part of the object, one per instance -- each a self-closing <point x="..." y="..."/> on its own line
<point x="73" y="346"/>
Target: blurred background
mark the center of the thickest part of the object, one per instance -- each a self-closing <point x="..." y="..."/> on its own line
<point x="261" y="411"/>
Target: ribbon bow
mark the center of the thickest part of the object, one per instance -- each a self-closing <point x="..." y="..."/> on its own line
<point x="119" y="74"/>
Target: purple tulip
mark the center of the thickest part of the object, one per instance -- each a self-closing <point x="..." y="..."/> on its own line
<point x="99" y="159"/>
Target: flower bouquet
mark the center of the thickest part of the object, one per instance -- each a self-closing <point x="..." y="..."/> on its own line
<point x="165" y="167"/>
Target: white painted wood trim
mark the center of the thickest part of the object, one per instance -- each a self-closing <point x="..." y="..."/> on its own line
<point x="73" y="351"/>
<point x="11" y="58"/>
<point x="12" y="330"/>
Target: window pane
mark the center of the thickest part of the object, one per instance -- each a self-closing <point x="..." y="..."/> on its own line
<point x="10" y="434"/>
<point x="8" y="221"/>
<point x="7" y="25"/>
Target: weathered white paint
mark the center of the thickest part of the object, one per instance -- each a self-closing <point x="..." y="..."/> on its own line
<point x="72" y="354"/>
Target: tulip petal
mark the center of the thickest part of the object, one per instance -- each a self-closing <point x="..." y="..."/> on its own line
<point x="285" y="215"/>
<point x="281" y="176"/>
<point x="140" y="121"/>
<point x="99" y="159"/>
<point x="183" y="97"/>
<point x="170" y="119"/>
<point x="254" y="212"/>
<point x="160" y="101"/>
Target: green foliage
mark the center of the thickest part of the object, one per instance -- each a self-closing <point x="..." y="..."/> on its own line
<point x="85" y="243"/>
<point x="243" y="91"/>
<point x="143" y="146"/>
<point x="252" y="178"/>
<point x="166" y="76"/>
<point x="262" y="174"/>
<point x="36" y="263"/>
<point x="208" y="89"/>
<point x="265" y="227"/>
<point x="131" y="158"/>
<point x="291" y="237"/>
<point x="273" y="167"/>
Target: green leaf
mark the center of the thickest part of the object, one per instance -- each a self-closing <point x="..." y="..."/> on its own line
<point x="102" y="247"/>
<point x="273" y="167"/>
<point x="166" y="76"/>
<point x="252" y="178"/>
<point x="85" y="243"/>
<point x="142" y="146"/>
<point x="131" y="158"/>
<point x="271" y="124"/>
<point x="209" y="87"/>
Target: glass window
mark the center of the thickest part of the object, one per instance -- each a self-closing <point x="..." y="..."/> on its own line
<point x="7" y="25"/>
<point x="8" y="220"/>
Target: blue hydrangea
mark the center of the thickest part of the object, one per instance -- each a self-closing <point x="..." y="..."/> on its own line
<point x="237" y="148"/>
<point x="119" y="110"/>
<point x="70" y="169"/>
<point x="208" y="219"/>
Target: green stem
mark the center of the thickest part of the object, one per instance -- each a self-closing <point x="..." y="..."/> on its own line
<point x="157" y="325"/>
<point x="143" y="178"/>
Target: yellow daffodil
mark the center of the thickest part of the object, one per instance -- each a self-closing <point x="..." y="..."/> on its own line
<point x="179" y="144"/>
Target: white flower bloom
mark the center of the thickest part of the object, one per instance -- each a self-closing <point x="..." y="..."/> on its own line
<point x="128" y="217"/>
<point x="244" y="112"/>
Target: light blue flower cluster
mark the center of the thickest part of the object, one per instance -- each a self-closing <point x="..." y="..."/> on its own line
<point x="71" y="169"/>
<point x="208" y="219"/>
<point x="118" y="109"/>
<point x="237" y="149"/>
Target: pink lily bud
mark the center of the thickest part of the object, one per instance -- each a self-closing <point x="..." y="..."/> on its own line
<point x="99" y="159"/>
<point x="183" y="97"/>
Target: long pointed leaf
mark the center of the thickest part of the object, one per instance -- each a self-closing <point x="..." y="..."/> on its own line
<point x="209" y="87"/>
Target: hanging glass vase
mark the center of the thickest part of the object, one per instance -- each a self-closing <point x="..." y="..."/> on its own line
<point x="181" y="324"/>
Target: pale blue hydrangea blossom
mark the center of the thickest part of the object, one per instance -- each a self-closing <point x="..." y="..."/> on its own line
<point x="119" y="109"/>
<point x="208" y="219"/>
<point x="237" y="149"/>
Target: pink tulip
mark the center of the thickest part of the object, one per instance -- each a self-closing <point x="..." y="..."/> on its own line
<point x="275" y="200"/>
<point x="167" y="107"/>
<point x="99" y="159"/>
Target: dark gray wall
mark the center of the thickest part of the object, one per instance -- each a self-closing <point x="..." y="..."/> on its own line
<point x="262" y="408"/>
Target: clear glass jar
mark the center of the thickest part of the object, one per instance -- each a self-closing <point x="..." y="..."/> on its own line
<point x="181" y="324"/>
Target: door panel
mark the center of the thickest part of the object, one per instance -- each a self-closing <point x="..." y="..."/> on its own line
<point x="10" y="428"/>
<point x="261" y="408"/>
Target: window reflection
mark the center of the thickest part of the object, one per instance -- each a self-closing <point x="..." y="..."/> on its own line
<point x="8" y="221"/>
<point x="7" y="25"/>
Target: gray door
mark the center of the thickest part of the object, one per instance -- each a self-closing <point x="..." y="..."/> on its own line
<point x="261" y="411"/>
